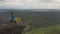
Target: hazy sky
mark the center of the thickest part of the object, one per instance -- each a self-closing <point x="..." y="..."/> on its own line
<point x="30" y="4"/>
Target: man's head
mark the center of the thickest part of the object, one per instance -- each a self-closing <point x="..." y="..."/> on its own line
<point x="11" y="13"/>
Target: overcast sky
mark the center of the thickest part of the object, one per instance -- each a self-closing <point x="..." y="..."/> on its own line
<point x="30" y="4"/>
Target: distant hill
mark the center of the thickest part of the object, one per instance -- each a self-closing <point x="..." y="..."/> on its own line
<point x="36" y="21"/>
<point x="49" y="17"/>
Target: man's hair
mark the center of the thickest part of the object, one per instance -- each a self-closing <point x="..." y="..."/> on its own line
<point x="11" y="13"/>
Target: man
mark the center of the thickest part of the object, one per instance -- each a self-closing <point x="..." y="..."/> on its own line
<point x="16" y="20"/>
<point x="12" y="17"/>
